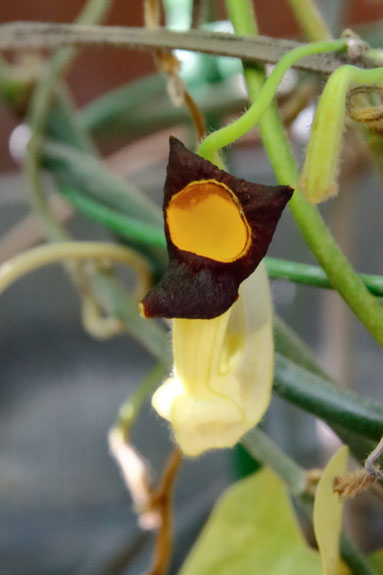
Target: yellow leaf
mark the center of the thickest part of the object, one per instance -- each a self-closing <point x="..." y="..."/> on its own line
<point x="328" y="511"/>
<point x="253" y="531"/>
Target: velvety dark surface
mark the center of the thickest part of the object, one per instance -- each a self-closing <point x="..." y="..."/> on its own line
<point x="198" y="287"/>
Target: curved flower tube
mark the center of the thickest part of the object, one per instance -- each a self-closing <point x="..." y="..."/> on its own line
<point x="223" y="372"/>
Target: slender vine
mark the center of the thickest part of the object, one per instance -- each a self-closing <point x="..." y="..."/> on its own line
<point x="229" y="134"/>
<point x="310" y="20"/>
<point x="20" y="265"/>
<point x="314" y="230"/>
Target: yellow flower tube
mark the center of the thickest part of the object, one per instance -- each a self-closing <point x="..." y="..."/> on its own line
<point x="223" y="371"/>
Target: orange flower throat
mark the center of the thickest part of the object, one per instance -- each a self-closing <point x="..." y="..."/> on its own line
<point x="205" y="218"/>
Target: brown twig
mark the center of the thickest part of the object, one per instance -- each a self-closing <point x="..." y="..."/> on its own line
<point x="162" y="502"/>
<point x="198" y="6"/>
<point x="170" y="66"/>
<point x="353" y="483"/>
<point x="153" y="506"/>
<point x="263" y="49"/>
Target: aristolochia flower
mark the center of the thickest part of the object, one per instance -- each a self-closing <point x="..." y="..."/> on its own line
<point x="218" y="229"/>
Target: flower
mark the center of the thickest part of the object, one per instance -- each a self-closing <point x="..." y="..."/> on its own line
<point x="218" y="229"/>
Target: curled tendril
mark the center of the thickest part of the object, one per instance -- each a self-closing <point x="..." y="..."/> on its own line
<point x="95" y="321"/>
<point x="360" y="108"/>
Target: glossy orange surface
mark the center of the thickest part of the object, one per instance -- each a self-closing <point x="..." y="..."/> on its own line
<point x="205" y="218"/>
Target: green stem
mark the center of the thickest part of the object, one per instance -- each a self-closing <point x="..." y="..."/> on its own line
<point x="40" y="107"/>
<point x="125" y="226"/>
<point x="264" y="450"/>
<point x="86" y="171"/>
<point x="101" y="114"/>
<point x="288" y="344"/>
<point x="76" y="162"/>
<point x="131" y="408"/>
<point x="310" y="20"/>
<point x="357" y="563"/>
<point x="320" y="397"/>
<point x="314" y="275"/>
<point x="64" y="124"/>
<point x="227" y="135"/>
<point x="337" y="268"/>
<point x="118" y="113"/>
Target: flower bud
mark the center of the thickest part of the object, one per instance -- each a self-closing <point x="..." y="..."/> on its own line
<point x="319" y="176"/>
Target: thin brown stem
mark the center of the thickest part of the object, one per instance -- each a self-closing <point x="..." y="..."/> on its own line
<point x="263" y="49"/>
<point x="170" y="66"/>
<point x="196" y="114"/>
<point x="196" y="17"/>
<point x="162" y="502"/>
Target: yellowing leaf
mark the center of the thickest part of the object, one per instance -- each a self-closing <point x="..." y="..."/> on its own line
<point x="253" y="531"/>
<point x="328" y="511"/>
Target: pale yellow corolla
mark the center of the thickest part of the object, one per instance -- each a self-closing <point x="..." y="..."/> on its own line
<point x="221" y="382"/>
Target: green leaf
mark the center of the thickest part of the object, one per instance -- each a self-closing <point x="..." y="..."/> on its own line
<point x="253" y="529"/>
<point x="376" y="560"/>
<point x="328" y="512"/>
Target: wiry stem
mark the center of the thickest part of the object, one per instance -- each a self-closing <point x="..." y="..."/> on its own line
<point x="310" y="20"/>
<point x="227" y="135"/>
<point x="41" y="256"/>
<point x="21" y="35"/>
<point x="169" y="64"/>
<point x="337" y="268"/>
<point x="129" y="411"/>
<point x="162" y="501"/>
<point x="315" y="276"/>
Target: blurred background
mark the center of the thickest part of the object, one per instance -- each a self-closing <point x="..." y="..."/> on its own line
<point x="63" y="507"/>
<point x="108" y="68"/>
